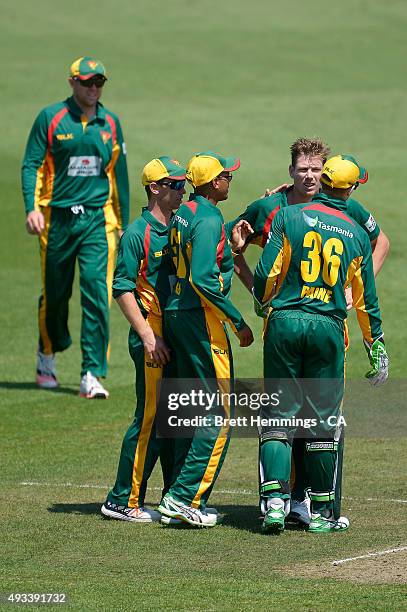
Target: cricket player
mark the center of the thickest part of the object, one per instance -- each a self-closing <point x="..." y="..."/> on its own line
<point x="316" y="251"/>
<point x="308" y="156"/>
<point x="76" y="195"/>
<point x="141" y="287"/>
<point x="195" y="318"/>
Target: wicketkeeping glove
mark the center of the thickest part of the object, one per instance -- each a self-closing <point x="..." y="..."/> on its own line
<point x="379" y="361"/>
<point x="260" y="309"/>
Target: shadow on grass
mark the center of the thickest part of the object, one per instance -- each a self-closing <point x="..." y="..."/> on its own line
<point x="29" y="386"/>
<point x="75" y="508"/>
<point x="245" y="518"/>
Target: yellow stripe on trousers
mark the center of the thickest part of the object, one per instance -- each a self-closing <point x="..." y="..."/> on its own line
<point x="152" y="378"/>
<point x="111" y="237"/>
<point x="221" y="362"/>
<point x="42" y="313"/>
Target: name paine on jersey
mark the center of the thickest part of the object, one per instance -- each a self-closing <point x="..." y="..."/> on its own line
<point x="317" y="293"/>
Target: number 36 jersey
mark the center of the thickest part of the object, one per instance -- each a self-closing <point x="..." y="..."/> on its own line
<point x="315" y="251"/>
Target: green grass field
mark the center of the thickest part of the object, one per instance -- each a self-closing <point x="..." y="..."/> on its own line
<point x="244" y="79"/>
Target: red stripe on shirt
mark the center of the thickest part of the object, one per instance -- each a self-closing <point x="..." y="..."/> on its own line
<point x="221" y="247"/>
<point x="191" y="205"/>
<point x="267" y="225"/>
<point x="112" y="124"/>
<point x="143" y="270"/>
<point x="54" y="122"/>
<point x="329" y="211"/>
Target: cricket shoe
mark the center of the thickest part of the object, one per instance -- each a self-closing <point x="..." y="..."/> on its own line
<point x="46" y="371"/>
<point x="299" y="513"/>
<point x="175" y="522"/>
<point x="274" y="518"/>
<point x="321" y="524"/>
<point x="91" y="387"/>
<point x="193" y="516"/>
<point x="124" y="513"/>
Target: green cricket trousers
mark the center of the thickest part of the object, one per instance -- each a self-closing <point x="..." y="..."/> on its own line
<point x="83" y="234"/>
<point x="200" y="345"/>
<point x="304" y="358"/>
<point x="141" y="448"/>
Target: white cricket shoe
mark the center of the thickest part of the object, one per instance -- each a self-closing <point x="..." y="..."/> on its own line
<point x="91" y="387"/>
<point x="193" y="516"/>
<point x="125" y="513"/>
<point x="46" y="371"/>
<point x="175" y="522"/>
<point x="300" y="512"/>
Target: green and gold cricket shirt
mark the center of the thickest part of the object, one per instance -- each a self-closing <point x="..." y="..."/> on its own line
<point x="203" y="261"/>
<point x="260" y="215"/>
<point x="144" y="266"/>
<point x="70" y="160"/>
<point x="317" y="250"/>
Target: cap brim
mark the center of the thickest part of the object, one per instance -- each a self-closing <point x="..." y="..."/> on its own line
<point x="181" y="177"/>
<point x="232" y="163"/>
<point x="363" y="175"/>
<point x="85" y="77"/>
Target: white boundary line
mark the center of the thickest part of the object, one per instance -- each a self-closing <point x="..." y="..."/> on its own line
<point x="71" y="485"/>
<point x="369" y="555"/>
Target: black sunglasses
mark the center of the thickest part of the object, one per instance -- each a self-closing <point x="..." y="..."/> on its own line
<point x="228" y="177"/>
<point x="175" y="185"/>
<point x="99" y="81"/>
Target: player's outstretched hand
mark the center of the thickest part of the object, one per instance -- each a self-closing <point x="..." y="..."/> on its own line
<point x="156" y="349"/>
<point x="34" y="222"/>
<point x="278" y="189"/>
<point x="245" y="336"/>
<point x="240" y="232"/>
<point x="379" y="361"/>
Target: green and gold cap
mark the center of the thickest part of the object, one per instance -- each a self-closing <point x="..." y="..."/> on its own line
<point x="86" y="67"/>
<point x="162" y="167"/>
<point x="343" y="171"/>
<point x="203" y="167"/>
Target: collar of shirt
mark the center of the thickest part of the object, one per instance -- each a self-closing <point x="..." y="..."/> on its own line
<point x="159" y="227"/>
<point x="76" y="110"/>
<point x="201" y="200"/>
<point x="334" y="202"/>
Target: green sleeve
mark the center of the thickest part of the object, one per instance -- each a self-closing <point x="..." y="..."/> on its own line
<point x="121" y="200"/>
<point x="205" y="238"/>
<point x="270" y="263"/>
<point x="36" y="149"/>
<point x="363" y="218"/>
<point x="130" y="255"/>
<point x="252" y="214"/>
<point x="364" y="295"/>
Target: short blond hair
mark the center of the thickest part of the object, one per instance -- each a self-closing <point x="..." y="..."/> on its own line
<point x="311" y="147"/>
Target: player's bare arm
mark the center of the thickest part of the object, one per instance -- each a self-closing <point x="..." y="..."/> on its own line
<point x="380" y="250"/>
<point x="154" y="345"/>
<point x="243" y="271"/>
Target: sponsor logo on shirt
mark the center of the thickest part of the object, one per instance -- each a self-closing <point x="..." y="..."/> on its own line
<point x="84" y="166"/>
<point x="315" y="222"/>
<point x="105" y="136"/>
<point x="370" y="224"/>
<point x="181" y="220"/>
<point x="64" y="136"/>
<point x="124" y="148"/>
<point x="310" y="220"/>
